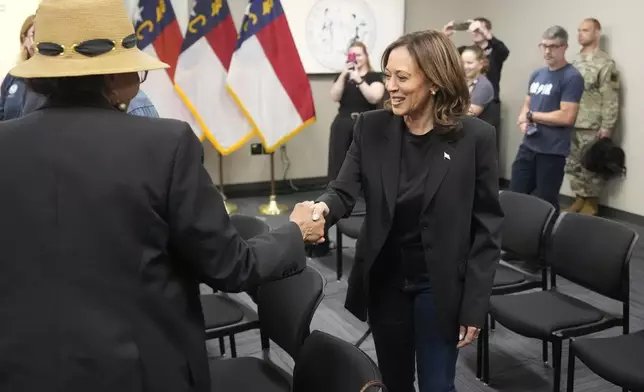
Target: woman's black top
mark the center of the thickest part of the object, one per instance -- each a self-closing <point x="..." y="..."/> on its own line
<point x="403" y="248"/>
<point x="352" y="100"/>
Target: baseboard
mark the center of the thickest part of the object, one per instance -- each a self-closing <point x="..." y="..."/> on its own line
<point x="609" y="212"/>
<point x="604" y="211"/>
<point x="282" y="187"/>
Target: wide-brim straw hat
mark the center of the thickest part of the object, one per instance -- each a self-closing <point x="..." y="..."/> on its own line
<point x="84" y="37"/>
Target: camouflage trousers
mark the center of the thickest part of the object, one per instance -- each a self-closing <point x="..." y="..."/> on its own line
<point x="583" y="183"/>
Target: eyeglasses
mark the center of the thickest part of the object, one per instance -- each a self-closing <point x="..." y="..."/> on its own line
<point x="549" y="47"/>
<point x="143" y="76"/>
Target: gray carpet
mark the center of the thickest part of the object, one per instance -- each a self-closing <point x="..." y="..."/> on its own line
<point x="516" y="363"/>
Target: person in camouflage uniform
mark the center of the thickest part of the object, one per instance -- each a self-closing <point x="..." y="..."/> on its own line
<point x="598" y="112"/>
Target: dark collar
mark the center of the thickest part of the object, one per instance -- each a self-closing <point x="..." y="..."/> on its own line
<point x="92" y="103"/>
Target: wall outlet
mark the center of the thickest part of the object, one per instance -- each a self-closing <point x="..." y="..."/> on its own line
<point x="257" y="149"/>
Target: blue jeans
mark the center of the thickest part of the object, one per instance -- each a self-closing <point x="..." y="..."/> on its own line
<point x="405" y="330"/>
<point x="538" y="174"/>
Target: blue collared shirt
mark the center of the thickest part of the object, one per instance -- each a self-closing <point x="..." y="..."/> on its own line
<point x="142" y="106"/>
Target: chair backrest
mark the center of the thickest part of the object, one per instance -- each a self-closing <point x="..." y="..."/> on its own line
<point x="526" y="223"/>
<point x="327" y="363"/>
<point x="593" y="252"/>
<point x="249" y="226"/>
<point x="285" y="308"/>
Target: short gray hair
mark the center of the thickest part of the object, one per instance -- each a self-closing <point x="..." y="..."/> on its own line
<point x="556" y="32"/>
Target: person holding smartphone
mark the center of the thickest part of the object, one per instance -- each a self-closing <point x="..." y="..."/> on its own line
<point x="494" y="49"/>
<point x="358" y="88"/>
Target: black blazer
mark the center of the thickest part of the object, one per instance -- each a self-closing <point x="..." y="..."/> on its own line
<point x="461" y="216"/>
<point x="108" y="224"/>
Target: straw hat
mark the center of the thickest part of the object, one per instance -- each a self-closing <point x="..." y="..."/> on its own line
<point x="84" y="37"/>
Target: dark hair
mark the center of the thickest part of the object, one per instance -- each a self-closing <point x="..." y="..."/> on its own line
<point x="461" y="49"/>
<point x="485" y="21"/>
<point x="438" y="59"/>
<point x="480" y="56"/>
<point x="72" y="89"/>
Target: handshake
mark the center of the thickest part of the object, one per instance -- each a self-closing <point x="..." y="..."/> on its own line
<point x="309" y="217"/>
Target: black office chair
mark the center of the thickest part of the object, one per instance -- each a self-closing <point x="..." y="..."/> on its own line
<point x="285" y="309"/>
<point x="589" y="251"/>
<point x="617" y="359"/>
<point x="327" y="363"/>
<point x="526" y="226"/>
<point x="350" y="227"/>
<point x="225" y="316"/>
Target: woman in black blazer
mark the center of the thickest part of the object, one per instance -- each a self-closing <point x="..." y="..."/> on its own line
<point x="427" y="253"/>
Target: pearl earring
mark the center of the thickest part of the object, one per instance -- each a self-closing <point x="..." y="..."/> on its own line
<point x="122" y="107"/>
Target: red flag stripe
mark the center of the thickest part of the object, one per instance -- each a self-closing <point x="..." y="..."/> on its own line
<point x="280" y="50"/>
<point x="168" y="46"/>
<point x="223" y="39"/>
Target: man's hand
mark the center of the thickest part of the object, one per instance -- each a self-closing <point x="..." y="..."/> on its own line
<point x="320" y="210"/>
<point x="448" y="29"/>
<point x="524" y="127"/>
<point x="479" y="27"/>
<point x="467" y="335"/>
<point x="523" y="118"/>
<point x="312" y="230"/>
<point x="603" y="133"/>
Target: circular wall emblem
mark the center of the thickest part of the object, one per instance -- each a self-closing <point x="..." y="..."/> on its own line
<point x="332" y="25"/>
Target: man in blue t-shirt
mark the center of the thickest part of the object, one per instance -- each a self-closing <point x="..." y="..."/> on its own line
<point x="547" y="119"/>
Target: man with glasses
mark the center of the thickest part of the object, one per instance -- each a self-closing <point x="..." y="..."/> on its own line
<point x="547" y="120"/>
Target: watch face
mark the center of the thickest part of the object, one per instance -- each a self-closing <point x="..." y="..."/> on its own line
<point x="331" y="27"/>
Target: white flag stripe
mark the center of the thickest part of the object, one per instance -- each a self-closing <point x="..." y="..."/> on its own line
<point x="252" y="80"/>
<point x="201" y="77"/>
<point x="160" y="89"/>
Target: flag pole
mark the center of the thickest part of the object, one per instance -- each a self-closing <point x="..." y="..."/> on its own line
<point x="231" y="208"/>
<point x="272" y="208"/>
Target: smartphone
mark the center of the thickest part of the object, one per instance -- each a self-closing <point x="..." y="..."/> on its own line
<point x="351" y="57"/>
<point x="532" y="129"/>
<point x="461" y="26"/>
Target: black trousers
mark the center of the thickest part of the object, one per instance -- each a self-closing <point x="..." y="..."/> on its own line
<point x="340" y="140"/>
<point x="538" y="174"/>
<point x="407" y="337"/>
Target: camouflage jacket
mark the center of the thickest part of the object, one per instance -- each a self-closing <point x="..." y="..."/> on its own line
<point x="599" y="106"/>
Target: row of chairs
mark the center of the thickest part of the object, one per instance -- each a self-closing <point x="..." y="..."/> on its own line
<point x="591" y="252"/>
<point x="588" y="251"/>
<point x="285" y="309"/>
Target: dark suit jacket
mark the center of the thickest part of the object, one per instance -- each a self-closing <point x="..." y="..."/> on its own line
<point x="461" y="216"/>
<point x="108" y="223"/>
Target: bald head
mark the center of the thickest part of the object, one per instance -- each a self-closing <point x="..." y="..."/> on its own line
<point x="589" y="32"/>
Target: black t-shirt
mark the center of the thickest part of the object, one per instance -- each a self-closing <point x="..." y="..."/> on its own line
<point x="352" y="99"/>
<point x="404" y="247"/>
